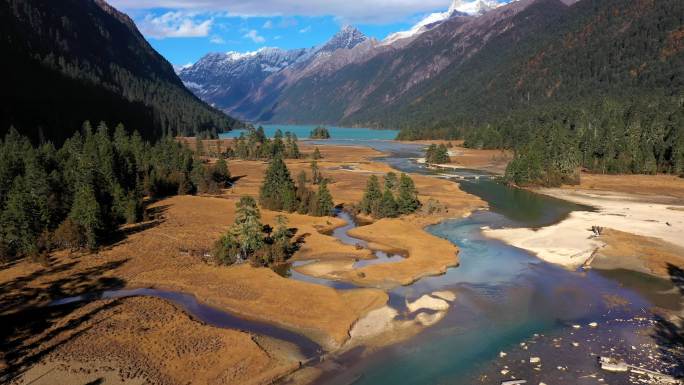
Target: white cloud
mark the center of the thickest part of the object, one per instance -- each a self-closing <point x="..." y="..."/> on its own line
<point x="355" y="11"/>
<point x="216" y="39"/>
<point x="254" y="35"/>
<point x="175" y="24"/>
<point x="305" y="29"/>
<point x="268" y="24"/>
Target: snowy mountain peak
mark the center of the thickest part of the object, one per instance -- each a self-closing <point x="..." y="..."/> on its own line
<point x="476" y="7"/>
<point x="348" y="37"/>
<point x="457" y="8"/>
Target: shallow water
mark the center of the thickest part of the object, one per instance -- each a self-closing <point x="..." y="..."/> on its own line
<point x="339" y="133"/>
<point x="504" y="294"/>
<point x="206" y="314"/>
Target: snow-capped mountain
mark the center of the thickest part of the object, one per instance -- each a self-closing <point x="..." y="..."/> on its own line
<point x="473" y="8"/>
<point x="457" y="8"/>
<point x="348" y="37"/>
<point x="223" y="79"/>
<point x="242" y="83"/>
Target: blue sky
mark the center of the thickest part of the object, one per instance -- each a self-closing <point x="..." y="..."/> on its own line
<point x="185" y="30"/>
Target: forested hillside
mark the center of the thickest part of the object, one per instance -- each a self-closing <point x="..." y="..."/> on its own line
<point x="597" y="85"/>
<point x="71" y="60"/>
<point x="595" y="50"/>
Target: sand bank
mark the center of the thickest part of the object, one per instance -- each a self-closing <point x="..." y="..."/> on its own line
<point x="493" y="161"/>
<point x="571" y="242"/>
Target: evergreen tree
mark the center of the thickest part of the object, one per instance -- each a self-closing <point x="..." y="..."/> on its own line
<point x="324" y="202"/>
<point x="391" y="180"/>
<point x="319" y="133"/>
<point x="221" y="174"/>
<point x="371" y="198"/>
<point x="277" y="145"/>
<point x="92" y="184"/>
<point x="17" y="233"/>
<point x="278" y="191"/>
<point x="437" y="154"/>
<point x="407" y="196"/>
<point x="316" y="176"/>
<point x="316" y="154"/>
<point x="86" y="213"/>
<point x="281" y="247"/>
<point x="291" y="148"/>
<point x="388" y="206"/>
<point x="247" y="229"/>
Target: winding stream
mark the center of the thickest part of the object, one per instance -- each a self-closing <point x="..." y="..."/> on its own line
<point x="205" y="313"/>
<point x="504" y="295"/>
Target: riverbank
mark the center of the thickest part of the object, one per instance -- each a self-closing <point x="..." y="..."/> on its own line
<point x="638" y="223"/>
<point x="491" y="161"/>
<point x="143" y="340"/>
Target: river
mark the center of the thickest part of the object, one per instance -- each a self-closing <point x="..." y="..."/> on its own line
<point x="507" y="301"/>
<point x="506" y="297"/>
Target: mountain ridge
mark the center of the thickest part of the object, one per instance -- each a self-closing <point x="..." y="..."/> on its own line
<point x="88" y="61"/>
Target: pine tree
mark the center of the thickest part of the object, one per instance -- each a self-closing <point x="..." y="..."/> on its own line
<point x="316" y="177"/>
<point x="388" y="206"/>
<point x="391" y="180"/>
<point x="316" y="154"/>
<point x="324" y="202"/>
<point x="291" y="148"/>
<point x="278" y="191"/>
<point x="247" y="229"/>
<point x="221" y="174"/>
<point x="86" y="213"/>
<point x="15" y="223"/>
<point x="437" y="154"/>
<point x="371" y="197"/>
<point x="407" y="196"/>
<point x="281" y="248"/>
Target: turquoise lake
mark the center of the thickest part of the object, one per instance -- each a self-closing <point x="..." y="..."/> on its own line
<point x="337" y="133"/>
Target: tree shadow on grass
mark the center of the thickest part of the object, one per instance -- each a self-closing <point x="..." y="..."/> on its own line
<point x="32" y="327"/>
<point x="669" y="331"/>
<point x="154" y="216"/>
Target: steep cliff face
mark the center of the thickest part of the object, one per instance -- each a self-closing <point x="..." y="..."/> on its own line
<point x="74" y="60"/>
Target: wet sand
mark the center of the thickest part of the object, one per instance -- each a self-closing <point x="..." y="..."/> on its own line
<point x="572" y="243"/>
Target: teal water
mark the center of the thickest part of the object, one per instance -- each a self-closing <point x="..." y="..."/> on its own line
<point x="504" y="294"/>
<point x="336" y="133"/>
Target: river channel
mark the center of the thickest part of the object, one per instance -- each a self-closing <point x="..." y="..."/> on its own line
<point x="509" y="303"/>
<point x="507" y="297"/>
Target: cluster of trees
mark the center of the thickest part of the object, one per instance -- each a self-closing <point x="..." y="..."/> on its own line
<point x="635" y="137"/>
<point x="249" y="240"/>
<point x="319" y="133"/>
<point x="255" y="145"/>
<point x="76" y="196"/>
<point x="208" y="179"/>
<point x="279" y="192"/>
<point x="398" y="197"/>
<point x="437" y="154"/>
